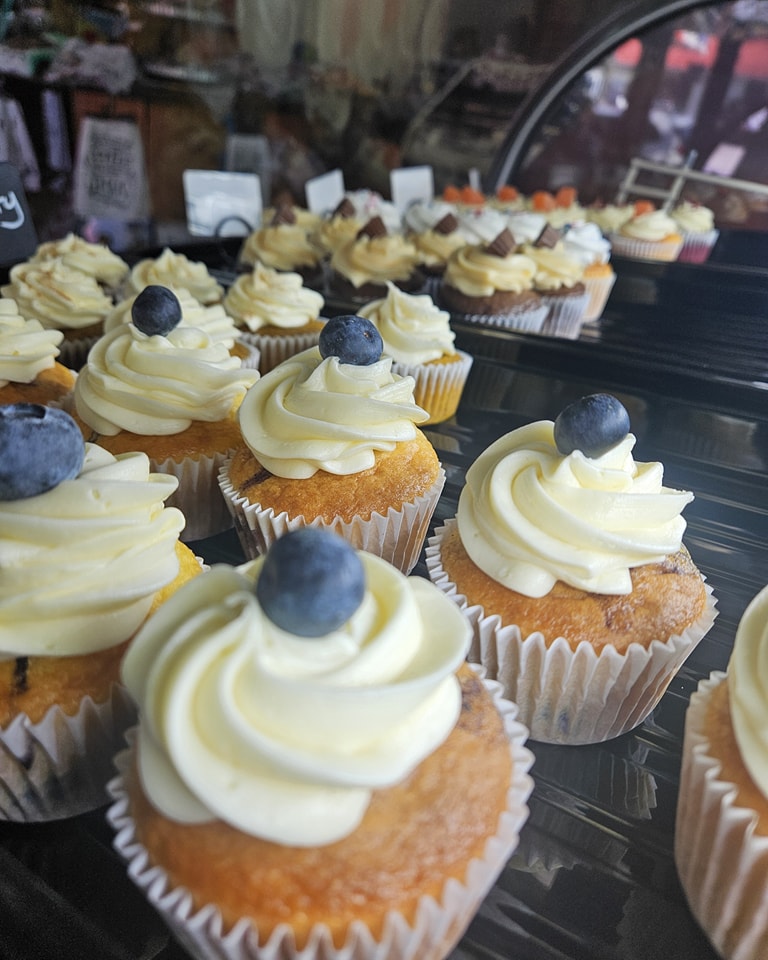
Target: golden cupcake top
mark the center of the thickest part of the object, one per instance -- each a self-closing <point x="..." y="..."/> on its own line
<point x="26" y="347"/>
<point x="566" y="500"/>
<point x="177" y="271"/>
<point x="278" y="695"/>
<point x="85" y="538"/>
<point x="95" y="259"/>
<point x="481" y="270"/>
<point x="413" y="328"/>
<point x="57" y="295"/>
<point x="331" y="407"/>
<point x="268" y="297"/>
<point x="155" y="376"/>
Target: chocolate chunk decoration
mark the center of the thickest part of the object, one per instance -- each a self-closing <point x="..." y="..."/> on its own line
<point x="283" y="215"/>
<point x="503" y="244"/>
<point x="374" y="228"/>
<point x="345" y="208"/>
<point x="446" y="225"/>
<point x="548" y="237"/>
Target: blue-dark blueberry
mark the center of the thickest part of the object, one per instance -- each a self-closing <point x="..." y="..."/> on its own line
<point x="311" y="582"/>
<point x="156" y="310"/>
<point x="591" y="424"/>
<point x="39" y="448"/>
<point x="352" y="339"/>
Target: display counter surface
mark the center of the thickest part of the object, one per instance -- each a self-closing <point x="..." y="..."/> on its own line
<point x="594" y="876"/>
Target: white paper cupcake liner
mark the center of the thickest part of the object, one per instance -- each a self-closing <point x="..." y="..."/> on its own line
<point x="722" y="862"/>
<point x="60" y="766"/>
<point x="566" y="315"/>
<point x="437" y="927"/>
<point x="598" y="291"/>
<point x="666" y="250"/>
<point x="397" y="536"/>
<point x="252" y="357"/>
<point x="198" y="495"/>
<point x="74" y="353"/>
<point x="275" y="349"/>
<point x="524" y="320"/>
<point x="438" y="386"/>
<point x="697" y="246"/>
<point x="571" y="696"/>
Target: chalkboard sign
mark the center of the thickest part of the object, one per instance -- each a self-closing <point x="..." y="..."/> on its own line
<point x="18" y="239"/>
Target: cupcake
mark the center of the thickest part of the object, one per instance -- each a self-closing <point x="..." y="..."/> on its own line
<point x="508" y="199"/>
<point x="60" y="298"/>
<point x="526" y="226"/>
<point x="177" y="271"/>
<point x="585" y="242"/>
<point x="493" y="284"/>
<point x="276" y="312"/>
<point x="29" y="370"/>
<point x="95" y="259"/>
<point x="330" y="439"/>
<point x="168" y="390"/>
<point x="360" y="805"/>
<point x="360" y="269"/>
<point x="434" y="229"/>
<point x="418" y="337"/>
<point x="89" y="551"/>
<point x="651" y="235"/>
<point x="564" y="208"/>
<point x="339" y="227"/>
<point x="610" y="217"/>
<point x="559" y="280"/>
<point x="567" y="557"/>
<point x="284" y="244"/>
<point x="697" y="225"/>
<point x="721" y="831"/>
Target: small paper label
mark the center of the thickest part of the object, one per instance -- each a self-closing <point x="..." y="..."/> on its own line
<point x="110" y="176"/>
<point x="411" y="184"/>
<point x="18" y="239"/>
<point x="324" y="193"/>
<point x="222" y="204"/>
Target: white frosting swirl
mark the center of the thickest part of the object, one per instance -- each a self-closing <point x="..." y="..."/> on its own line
<point x="286" y="737"/>
<point x="586" y="243"/>
<point x="529" y="516"/>
<point x="213" y="320"/>
<point x="26" y="347"/>
<point x="526" y="226"/>
<point x="282" y="246"/>
<point x="481" y="224"/>
<point x="309" y="414"/>
<point x="81" y="563"/>
<point x="177" y="271"/>
<point x="266" y="297"/>
<point x="693" y="217"/>
<point x="748" y="689"/>
<point x="413" y="329"/>
<point x="555" y="267"/>
<point x="610" y="217"/>
<point x="158" y="385"/>
<point x="95" y="259"/>
<point x="58" y="296"/>
<point x="478" y="273"/>
<point x="654" y="225"/>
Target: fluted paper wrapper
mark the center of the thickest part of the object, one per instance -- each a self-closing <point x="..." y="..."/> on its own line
<point x="566" y="315"/>
<point x="523" y="320"/>
<point x="697" y="246"/>
<point x="397" y="536"/>
<point x="598" y="291"/>
<point x="60" y="766"/>
<point x="276" y="348"/>
<point x="438" y="386"/>
<point x="666" y="250"/>
<point x="437" y="927"/>
<point x="722" y="862"/>
<point x="564" y="695"/>
<point x="198" y="495"/>
<point x="73" y="353"/>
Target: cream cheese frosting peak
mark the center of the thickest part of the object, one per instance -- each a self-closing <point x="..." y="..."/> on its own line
<point x="412" y="327"/>
<point x="310" y="414"/>
<point x="529" y="516"/>
<point x="284" y="737"/>
<point x="748" y="689"/>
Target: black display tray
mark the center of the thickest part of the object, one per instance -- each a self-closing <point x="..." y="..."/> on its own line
<point x="594" y="876"/>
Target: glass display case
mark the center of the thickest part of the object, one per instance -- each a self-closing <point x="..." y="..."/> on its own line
<point x="683" y="345"/>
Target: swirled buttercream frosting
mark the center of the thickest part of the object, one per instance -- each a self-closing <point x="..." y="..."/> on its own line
<point x="654" y="225"/>
<point x="158" y="385"/>
<point x="81" y="563"/>
<point x="693" y="217"/>
<point x="26" y="347"/>
<point x="58" y="296"/>
<point x="286" y="737"/>
<point x="586" y="243"/>
<point x="95" y="259"/>
<point x="529" y="516"/>
<point x="555" y="267"/>
<point x="282" y="246"/>
<point x="611" y="216"/>
<point x="413" y="329"/>
<point x="376" y="259"/>
<point x="177" y="271"/>
<point x="478" y="273"/>
<point x="270" y="298"/>
<point x="748" y="689"/>
<point x="309" y="414"/>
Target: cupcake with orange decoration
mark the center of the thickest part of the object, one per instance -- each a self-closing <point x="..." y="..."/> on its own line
<point x="650" y="234"/>
<point x="465" y="196"/>
<point x="560" y="208"/>
<point x="508" y="199"/>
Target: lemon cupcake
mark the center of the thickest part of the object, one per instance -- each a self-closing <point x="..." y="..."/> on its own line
<point x="275" y="312"/>
<point x="566" y="555"/>
<point x="95" y="259"/>
<point x="325" y="837"/>
<point x="721" y="830"/>
<point x="177" y="271"/>
<point x="89" y="551"/>
<point x="168" y="390"/>
<point x="418" y="337"/>
<point x="29" y="370"/>
<point x="559" y="280"/>
<point x="650" y="235"/>
<point x="330" y="438"/>
<point x="286" y="244"/>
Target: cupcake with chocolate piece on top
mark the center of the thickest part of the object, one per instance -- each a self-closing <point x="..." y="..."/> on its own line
<point x="29" y="370"/>
<point x="435" y="231"/>
<point x="321" y="805"/>
<point x="330" y="438"/>
<point x="89" y="552"/>
<point x="559" y="280"/>
<point x="283" y="243"/>
<point x="360" y="269"/>
<point x="567" y="557"/>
